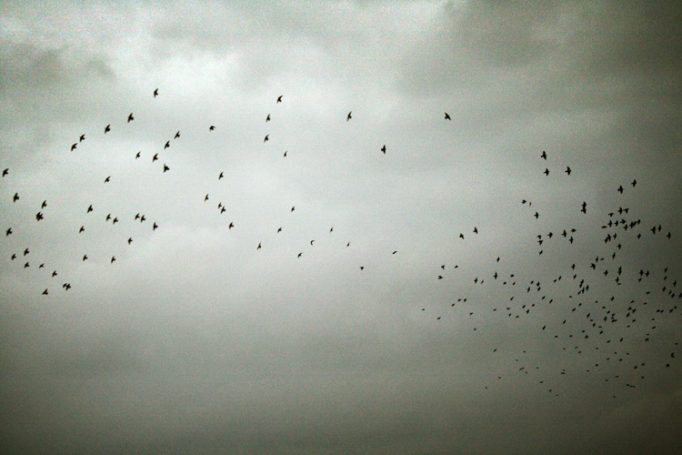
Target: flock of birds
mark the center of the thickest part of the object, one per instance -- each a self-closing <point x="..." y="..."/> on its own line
<point x="602" y="331"/>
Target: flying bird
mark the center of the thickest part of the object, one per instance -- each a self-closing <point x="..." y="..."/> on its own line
<point x="85" y="257"/>
<point x="177" y="135"/>
<point x="74" y="146"/>
<point x="137" y="155"/>
<point x="383" y="149"/>
<point x="258" y="247"/>
<point x="546" y="171"/>
<point x="285" y="154"/>
<point x="156" y="92"/>
<point x="620" y="189"/>
<point x="113" y="258"/>
<point x="43" y="205"/>
<point x="447" y="116"/>
<point x="130" y="117"/>
<point x="81" y="138"/>
<point x="155" y="157"/>
<point x="165" y="168"/>
<point x="5" y="172"/>
<point x="107" y="128"/>
<point x="8" y="232"/>
<point x="211" y="128"/>
<point x="82" y="229"/>
<point x="568" y="170"/>
<point x="221" y="175"/>
<point x="543" y="155"/>
<point x="108" y="179"/>
<point x="15" y="198"/>
<point x="39" y="216"/>
<point x="279" y="98"/>
<point x="349" y="116"/>
<point x="166" y="145"/>
<point x="293" y="207"/>
<point x="267" y="119"/>
<point x="266" y="138"/>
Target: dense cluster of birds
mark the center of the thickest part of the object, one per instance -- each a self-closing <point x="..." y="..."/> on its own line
<point x="580" y="324"/>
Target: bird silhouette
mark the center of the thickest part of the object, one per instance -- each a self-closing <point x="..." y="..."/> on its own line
<point x="543" y="155"/>
<point x="107" y="128"/>
<point x="349" y="116"/>
<point x="211" y="128"/>
<point x="266" y="138"/>
<point x="279" y="98"/>
<point x="267" y="119"/>
<point x="39" y="216"/>
<point x="383" y="149"/>
<point x="43" y="205"/>
<point x="546" y="171"/>
<point x="447" y="116"/>
<point x="231" y="225"/>
<point x="620" y="189"/>
<point x="293" y="207"/>
<point x="166" y="145"/>
<point x="221" y="175"/>
<point x="568" y="170"/>
<point x="156" y="92"/>
<point x="584" y="207"/>
<point x="130" y="117"/>
<point x="15" y="198"/>
<point x="206" y="198"/>
<point x="85" y="257"/>
<point x="177" y="135"/>
<point x="279" y="229"/>
<point x="74" y="146"/>
<point x="113" y="259"/>
<point x="300" y="254"/>
<point x="259" y="246"/>
<point x="130" y="240"/>
<point x="90" y="209"/>
<point x="108" y="179"/>
<point x="155" y="157"/>
<point x="137" y="155"/>
<point x="81" y="138"/>
<point x="8" y="232"/>
<point x="45" y="292"/>
<point x="5" y="172"/>
<point x="82" y="229"/>
<point x="165" y="168"/>
<point x="285" y="154"/>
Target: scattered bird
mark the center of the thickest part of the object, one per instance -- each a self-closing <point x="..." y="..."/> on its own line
<point x="568" y="170"/>
<point x="156" y="92"/>
<point x="107" y="128"/>
<point x="165" y="168"/>
<point x="543" y="155"/>
<point x="349" y="116"/>
<point x="130" y="117"/>
<point x="383" y="149"/>
<point x="211" y="128"/>
<point x="15" y="198"/>
<point x="5" y="172"/>
<point x="220" y="176"/>
<point x="108" y="179"/>
<point x="279" y="98"/>
<point x="447" y="116"/>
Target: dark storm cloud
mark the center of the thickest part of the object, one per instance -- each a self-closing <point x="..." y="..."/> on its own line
<point x="194" y="343"/>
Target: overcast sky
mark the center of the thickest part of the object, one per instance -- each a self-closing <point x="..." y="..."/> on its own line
<point x="195" y="342"/>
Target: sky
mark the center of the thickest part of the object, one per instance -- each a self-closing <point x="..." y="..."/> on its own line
<point x="389" y="333"/>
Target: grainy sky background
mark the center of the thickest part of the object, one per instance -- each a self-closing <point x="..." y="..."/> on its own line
<point x="195" y="342"/>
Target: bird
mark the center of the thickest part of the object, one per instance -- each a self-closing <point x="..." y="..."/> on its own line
<point x="211" y="128"/>
<point x="115" y="220"/>
<point x="27" y="265"/>
<point x="620" y="189"/>
<point x="259" y="246"/>
<point x="221" y="175"/>
<point x="293" y="207"/>
<point x="26" y="251"/>
<point x="634" y="182"/>
<point x="130" y="240"/>
<point x="311" y="242"/>
<point x="8" y="232"/>
<point x="347" y="244"/>
<point x="543" y="155"/>
<point x="130" y="117"/>
<point x="584" y="207"/>
<point x="461" y="236"/>
<point x="285" y="154"/>
<point x="13" y="257"/>
<point x="5" y="172"/>
<point x="300" y="254"/>
<point x="113" y="258"/>
<point x="45" y="292"/>
<point x="54" y="273"/>
<point x="39" y="216"/>
<point x="85" y="257"/>
<point x="74" y="146"/>
<point x="15" y="198"/>
<point x="279" y="229"/>
<point x="475" y="230"/>
<point x="447" y="116"/>
<point x="362" y="267"/>
<point x="107" y="128"/>
<point x="568" y="170"/>
<point x="331" y="229"/>
<point x="267" y="119"/>
<point x="108" y="179"/>
<point x="166" y="145"/>
<point x="206" y="198"/>
<point x="177" y="135"/>
<point x="155" y="157"/>
<point x="90" y="209"/>
<point x="108" y="217"/>
<point x="546" y="171"/>
<point x="349" y="116"/>
<point x="395" y="252"/>
<point x="231" y="225"/>
<point x="81" y="138"/>
<point x="154" y="226"/>
<point x="82" y="229"/>
<point x="137" y="155"/>
<point x="266" y="138"/>
<point x="165" y="167"/>
<point x="383" y="149"/>
<point x="156" y="92"/>
<point x="279" y="98"/>
<point x="43" y="205"/>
